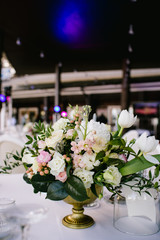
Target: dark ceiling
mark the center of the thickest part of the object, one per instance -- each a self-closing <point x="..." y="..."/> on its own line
<point x="83" y="35"/>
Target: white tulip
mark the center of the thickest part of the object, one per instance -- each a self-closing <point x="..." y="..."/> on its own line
<point x="126" y="119"/>
<point x="146" y="145"/>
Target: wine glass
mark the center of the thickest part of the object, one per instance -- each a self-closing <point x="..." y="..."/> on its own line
<point x="6" y="226"/>
<point x="27" y="214"/>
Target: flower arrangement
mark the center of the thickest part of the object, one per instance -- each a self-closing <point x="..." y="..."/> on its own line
<point x="78" y="153"/>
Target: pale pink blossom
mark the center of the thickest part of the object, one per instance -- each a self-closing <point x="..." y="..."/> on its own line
<point x="44" y="157"/>
<point x="74" y="147"/>
<point x="76" y="160"/>
<point x="62" y="176"/>
<point x="41" y="144"/>
<point x="123" y="157"/>
<point x="69" y="133"/>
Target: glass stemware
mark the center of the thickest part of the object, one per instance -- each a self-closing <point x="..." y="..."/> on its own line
<point x="6" y="226"/>
<point x="27" y="214"/>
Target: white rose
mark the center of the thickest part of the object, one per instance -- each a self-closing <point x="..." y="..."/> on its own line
<point x="112" y="176"/>
<point x="85" y="175"/>
<point x="126" y="119"/>
<point x="60" y="124"/>
<point x="27" y="158"/>
<point x="146" y="145"/>
<point x="57" y="164"/>
<point x="89" y="161"/>
<point x="56" y="137"/>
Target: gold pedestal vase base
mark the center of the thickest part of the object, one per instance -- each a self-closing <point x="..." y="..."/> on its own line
<point x="77" y="219"/>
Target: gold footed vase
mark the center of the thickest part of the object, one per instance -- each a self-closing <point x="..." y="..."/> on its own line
<point x="77" y="219"/>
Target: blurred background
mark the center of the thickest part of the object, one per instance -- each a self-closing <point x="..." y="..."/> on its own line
<point x="104" y="53"/>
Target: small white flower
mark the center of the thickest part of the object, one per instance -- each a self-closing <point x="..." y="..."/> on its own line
<point x="126" y="119"/>
<point x="146" y="145"/>
<point x="112" y="176"/>
<point x="56" y="137"/>
<point x="57" y="164"/>
<point x="89" y="161"/>
<point x="60" y="124"/>
<point x="85" y="175"/>
<point x="35" y="166"/>
<point x="27" y="158"/>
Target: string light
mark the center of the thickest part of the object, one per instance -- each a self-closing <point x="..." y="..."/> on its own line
<point x="130" y="48"/>
<point x="131" y="32"/>
<point x="41" y="54"/>
<point x="18" y="42"/>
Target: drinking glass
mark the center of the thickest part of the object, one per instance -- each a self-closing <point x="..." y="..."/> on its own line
<point x="6" y="226"/>
<point x="27" y="214"/>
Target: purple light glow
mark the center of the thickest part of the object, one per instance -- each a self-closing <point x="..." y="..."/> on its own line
<point x="2" y="98"/>
<point x="73" y="26"/>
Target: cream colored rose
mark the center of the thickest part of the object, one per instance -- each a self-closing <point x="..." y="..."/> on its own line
<point x="89" y="161"/>
<point x="56" y="137"/>
<point x="100" y="144"/>
<point x="57" y="164"/>
<point x="85" y="175"/>
<point x="27" y="158"/>
<point x="60" y="124"/>
<point x="112" y="175"/>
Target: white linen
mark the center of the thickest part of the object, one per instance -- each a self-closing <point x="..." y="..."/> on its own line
<point x="51" y="228"/>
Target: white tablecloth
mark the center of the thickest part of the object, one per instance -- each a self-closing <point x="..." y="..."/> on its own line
<point x="51" y="228"/>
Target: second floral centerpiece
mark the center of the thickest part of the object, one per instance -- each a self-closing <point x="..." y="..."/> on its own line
<point x="76" y="155"/>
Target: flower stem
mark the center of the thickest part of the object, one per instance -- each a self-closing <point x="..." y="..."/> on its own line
<point x="85" y="130"/>
<point x="140" y="154"/>
<point x="120" y="132"/>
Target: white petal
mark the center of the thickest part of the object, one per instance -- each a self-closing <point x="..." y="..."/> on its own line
<point x="151" y="159"/>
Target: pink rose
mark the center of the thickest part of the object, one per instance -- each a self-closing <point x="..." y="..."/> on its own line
<point x="44" y="157"/>
<point x="62" y="176"/>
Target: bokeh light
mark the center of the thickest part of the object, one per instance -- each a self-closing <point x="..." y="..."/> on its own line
<point x="57" y="109"/>
<point x="64" y="114"/>
<point x="2" y="98"/>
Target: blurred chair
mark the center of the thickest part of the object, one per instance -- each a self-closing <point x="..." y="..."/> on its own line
<point x="10" y="144"/>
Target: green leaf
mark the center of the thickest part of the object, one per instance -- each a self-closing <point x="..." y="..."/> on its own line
<point x="156" y="171"/>
<point x="100" y="155"/>
<point x="135" y="165"/>
<point x="129" y="149"/>
<point x="56" y="191"/>
<point x="40" y="183"/>
<point x="30" y="139"/>
<point x="117" y="142"/>
<point x="75" y="188"/>
<point x="26" y="179"/>
<point x="93" y="189"/>
<point x="68" y="170"/>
